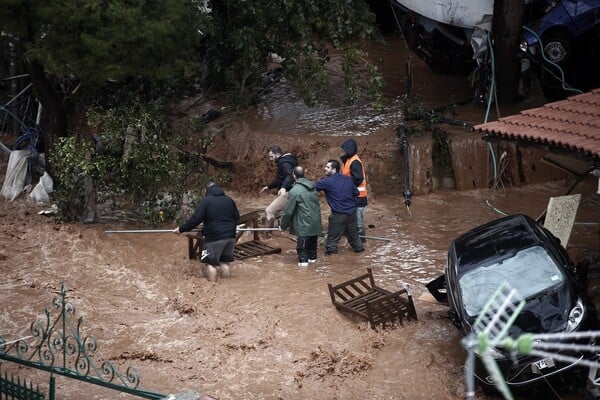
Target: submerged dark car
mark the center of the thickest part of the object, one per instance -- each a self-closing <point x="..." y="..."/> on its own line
<point x="568" y="31"/>
<point x="521" y="252"/>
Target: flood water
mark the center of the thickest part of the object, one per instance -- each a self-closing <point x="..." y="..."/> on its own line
<point x="270" y="331"/>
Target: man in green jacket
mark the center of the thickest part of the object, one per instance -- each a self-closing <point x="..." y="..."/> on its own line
<point x="302" y="215"/>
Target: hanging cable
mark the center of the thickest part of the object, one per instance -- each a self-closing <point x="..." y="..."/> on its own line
<point x="564" y="85"/>
<point x="409" y="61"/>
<point x="491" y="95"/>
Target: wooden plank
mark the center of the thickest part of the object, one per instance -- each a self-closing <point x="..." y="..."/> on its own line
<point x="353" y="311"/>
<point x="390" y="308"/>
<point x="360" y="278"/>
<point x="373" y="295"/>
<point x="254" y="248"/>
<point x="243" y="250"/>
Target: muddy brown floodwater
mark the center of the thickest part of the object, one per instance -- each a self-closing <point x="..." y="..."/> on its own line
<point x="270" y="331"/>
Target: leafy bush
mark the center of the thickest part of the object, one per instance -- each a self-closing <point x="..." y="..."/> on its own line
<point x="236" y="42"/>
<point x="128" y="159"/>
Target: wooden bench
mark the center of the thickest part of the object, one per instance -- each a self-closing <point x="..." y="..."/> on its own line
<point x="360" y="297"/>
<point x="251" y="248"/>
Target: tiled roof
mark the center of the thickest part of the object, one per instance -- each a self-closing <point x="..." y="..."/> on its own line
<point x="572" y="124"/>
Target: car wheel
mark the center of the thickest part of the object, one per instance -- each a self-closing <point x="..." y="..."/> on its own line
<point x="558" y="50"/>
<point x="557" y="47"/>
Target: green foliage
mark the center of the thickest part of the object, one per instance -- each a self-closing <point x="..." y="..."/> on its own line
<point x="196" y="138"/>
<point x="113" y="55"/>
<point x="413" y="110"/>
<point x="98" y="40"/>
<point x="238" y="39"/>
<point x="441" y="149"/>
<point x="355" y="65"/>
<point x="148" y="41"/>
<point x="131" y="162"/>
<point x="72" y="159"/>
<point x="375" y="87"/>
<point x="137" y="159"/>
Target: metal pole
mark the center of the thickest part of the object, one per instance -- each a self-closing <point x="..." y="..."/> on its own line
<point x="238" y="230"/>
<point x="142" y="231"/>
<point x="257" y="229"/>
<point x="195" y="230"/>
<point x="18" y="94"/>
<point x="401" y="131"/>
<point x="366" y="237"/>
<point x="375" y="238"/>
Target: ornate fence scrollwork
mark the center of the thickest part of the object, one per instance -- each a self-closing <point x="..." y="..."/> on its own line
<point x="57" y="346"/>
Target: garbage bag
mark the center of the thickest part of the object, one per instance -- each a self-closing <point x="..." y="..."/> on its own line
<point x="16" y="173"/>
<point x="39" y="194"/>
<point x="47" y="182"/>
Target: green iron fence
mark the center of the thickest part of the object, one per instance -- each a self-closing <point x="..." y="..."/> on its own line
<point x="12" y="388"/>
<point x="55" y="345"/>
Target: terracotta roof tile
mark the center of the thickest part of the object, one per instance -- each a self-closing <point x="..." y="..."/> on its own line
<point x="573" y="123"/>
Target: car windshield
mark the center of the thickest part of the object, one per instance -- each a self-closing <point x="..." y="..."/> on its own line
<point x="530" y="271"/>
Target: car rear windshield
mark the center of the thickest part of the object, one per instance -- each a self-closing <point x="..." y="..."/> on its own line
<point x="530" y="271"/>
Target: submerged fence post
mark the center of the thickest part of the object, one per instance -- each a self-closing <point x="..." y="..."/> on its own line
<point x="52" y="388"/>
<point x="401" y="131"/>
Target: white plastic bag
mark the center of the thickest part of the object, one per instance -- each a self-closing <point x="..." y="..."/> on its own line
<point x="47" y="182"/>
<point x="16" y="172"/>
<point x="39" y="194"/>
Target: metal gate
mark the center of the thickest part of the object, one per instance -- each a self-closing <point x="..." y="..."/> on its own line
<point x="12" y="388"/>
<point x="55" y="345"/>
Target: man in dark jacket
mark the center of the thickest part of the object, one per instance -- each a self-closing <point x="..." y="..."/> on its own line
<point x="353" y="167"/>
<point x="302" y="215"/>
<point x="341" y="194"/>
<point x="219" y="215"/>
<point x="283" y="182"/>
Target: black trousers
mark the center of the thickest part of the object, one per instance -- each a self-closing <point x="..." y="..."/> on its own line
<point x="306" y="247"/>
<point x="342" y="224"/>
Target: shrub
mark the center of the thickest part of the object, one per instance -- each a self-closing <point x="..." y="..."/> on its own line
<point x="128" y="159"/>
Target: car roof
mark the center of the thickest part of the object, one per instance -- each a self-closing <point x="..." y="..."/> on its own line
<point x="495" y="240"/>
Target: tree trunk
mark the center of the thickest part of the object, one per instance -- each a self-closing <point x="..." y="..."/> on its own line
<point x="506" y="28"/>
<point x="51" y="102"/>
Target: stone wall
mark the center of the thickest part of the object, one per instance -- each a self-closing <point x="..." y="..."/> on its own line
<point x="466" y="162"/>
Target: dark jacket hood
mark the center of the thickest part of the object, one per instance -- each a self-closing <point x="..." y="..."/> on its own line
<point x="288" y="157"/>
<point x="350" y="147"/>
<point x="214" y="191"/>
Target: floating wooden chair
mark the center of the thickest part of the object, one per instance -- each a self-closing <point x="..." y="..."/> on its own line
<point x="361" y="298"/>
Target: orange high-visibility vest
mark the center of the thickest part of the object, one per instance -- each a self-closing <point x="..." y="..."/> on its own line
<point x="362" y="188"/>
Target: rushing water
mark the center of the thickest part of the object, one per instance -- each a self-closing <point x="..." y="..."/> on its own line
<point x="271" y="332"/>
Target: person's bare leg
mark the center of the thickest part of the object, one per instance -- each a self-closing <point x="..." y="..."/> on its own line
<point x="225" y="270"/>
<point x="211" y="273"/>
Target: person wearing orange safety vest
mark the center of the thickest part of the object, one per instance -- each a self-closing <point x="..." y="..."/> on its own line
<point x="353" y="167"/>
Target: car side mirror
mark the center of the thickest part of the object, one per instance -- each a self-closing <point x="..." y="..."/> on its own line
<point x="437" y="288"/>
